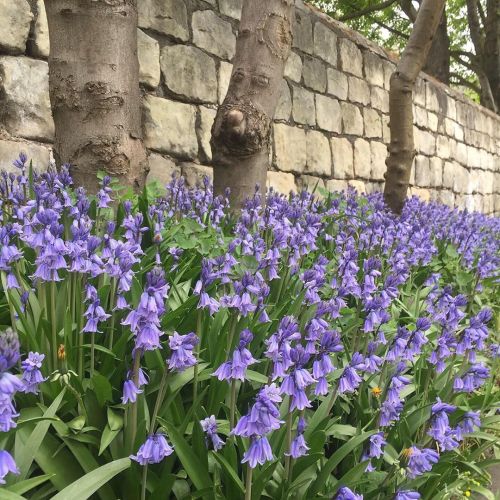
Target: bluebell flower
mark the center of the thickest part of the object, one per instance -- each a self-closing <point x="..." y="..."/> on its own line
<point x="209" y="426"/>
<point x="181" y="347"/>
<point x="259" y="452"/>
<point x="130" y="392"/>
<point x="466" y="426"/>
<point x="472" y="379"/>
<point x="154" y="450"/>
<point x="7" y="464"/>
<point x="235" y="369"/>
<point x="345" y="493"/>
<point x="32" y="376"/>
<point x="350" y="380"/>
<point x="420" y="461"/>
<point x="9" y="349"/>
<point x="298" y="446"/>
<point x="407" y="495"/>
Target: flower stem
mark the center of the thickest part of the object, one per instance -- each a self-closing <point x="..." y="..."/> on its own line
<point x="162" y="389"/>
<point x="144" y="481"/>
<point x="248" y="484"/>
<point x="195" y="374"/>
<point x="112" y="295"/>
<point x="92" y="354"/>
<point x="133" y="408"/>
<point x="53" y="322"/>
<point x="289" y="422"/>
<point x="333" y="398"/>
<point x="232" y="404"/>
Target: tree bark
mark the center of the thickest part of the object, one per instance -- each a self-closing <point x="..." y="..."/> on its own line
<point x="492" y="49"/>
<point x="242" y="128"/>
<point x="438" y="60"/>
<point x="402" y="148"/>
<point x="94" y="89"/>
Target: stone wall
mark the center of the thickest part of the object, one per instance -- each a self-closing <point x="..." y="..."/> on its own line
<point x="331" y="126"/>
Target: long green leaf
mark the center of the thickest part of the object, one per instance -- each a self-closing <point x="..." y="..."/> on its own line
<point x="87" y="485"/>
<point x="230" y="472"/>
<point x="28" y="484"/>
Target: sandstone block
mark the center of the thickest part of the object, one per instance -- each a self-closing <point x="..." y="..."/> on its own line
<point x="342" y="158"/>
<point x="328" y="114"/>
<point x="420" y="117"/>
<point x="303" y="110"/>
<point x="290" y="148"/>
<point x="311" y="184"/>
<point x="225" y="70"/>
<point x="284" y="108"/>
<point x="389" y="68"/>
<point x="148" y="52"/>
<point x="422" y="171"/>
<point x="213" y="34"/>
<point x="337" y="84"/>
<point x="435" y="172"/>
<point x="325" y="43"/>
<point x="431" y="98"/>
<point x="378" y="157"/>
<point x="432" y="121"/>
<point x="281" y="182"/>
<point x="189" y="72"/>
<point x="380" y="99"/>
<point x="352" y="121"/>
<point x="373" y="123"/>
<point x="423" y="194"/>
<point x="336" y="186"/>
<point x="207" y="118"/>
<point x="15" y="20"/>
<point x="362" y="159"/>
<point x="359" y="91"/>
<point x="319" y="157"/>
<point x="358" y="185"/>
<point x="314" y="73"/>
<point x="168" y="17"/>
<point x="195" y="174"/>
<point x="303" y="33"/>
<point x="443" y="147"/>
<point x="425" y="142"/>
<point x="446" y="197"/>
<point x="40" y="45"/>
<point x="169" y="127"/>
<point x="374" y="70"/>
<point x="162" y="169"/>
<point x="419" y="93"/>
<point x="231" y="8"/>
<point x="24" y="98"/>
<point x="9" y="151"/>
<point x="293" y="67"/>
<point x="351" y="58"/>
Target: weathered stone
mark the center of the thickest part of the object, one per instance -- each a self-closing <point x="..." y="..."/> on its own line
<point x="359" y="91"/>
<point x="378" y="157"/>
<point x="455" y="177"/>
<point x="451" y="108"/>
<point x="319" y="156"/>
<point x="169" y="127"/>
<point x="231" y="8"/>
<point x="374" y="71"/>
<point x="311" y="184"/>
<point x="443" y="147"/>
<point x="362" y="159"/>
<point x="336" y="185"/>
<point x="293" y="67"/>
<point x="15" y="20"/>
<point x="431" y="98"/>
<point x="351" y="58"/>
<point x="162" y="169"/>
<point x="423" y="194"/>
<point x="419" y="93"/>
<point x="148" y="52"/>
<point x="389" y="69"/>
<point x="425" y="142"/>
<point x="373" y="123"/>
<point x="380" y="99"/>
<point x="358" y="185"/>
<point x="325" y="43"/>
<point x="303" y="33"/>
<point x="432" y="121"/>
<point x="314" y="73"/>
<point x="281" y="182"/>
<point x="342" y="158"/>
<point x="386" y="132"/>
<point x="352" y="121"/>
<point x="420" y="116"/>
<point x="435" y="172"/>
<point x="168" y="17"/>
<point x="290" y="148"/>
<point x="422" y="171"/>
<point x="446" y="197"/>
<point x="24" y="98"/>
<point x="189" y="72"/>
<point x="284" y="107"/>
<point x="374" y="187"/>
<point x="40" y="46"/>
<point x="303" y="106"/>
<point x="9" y="151"/>
<point x="328" y="115"/>
<point x="213" y="34"/>
<point x="337" y="84"/>
<point x="207" y="117"/>
<point x="225" y="70"/>
<point x="195" y="174"/>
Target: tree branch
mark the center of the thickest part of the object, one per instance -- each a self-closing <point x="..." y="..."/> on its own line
<point x="368" y="10"/>
<point x="392" y="30"/>
<point x="475" y="26"/>
<point x="460" y="80"/>
<point x="409" y="10"/>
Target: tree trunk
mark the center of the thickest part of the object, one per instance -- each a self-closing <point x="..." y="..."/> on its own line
<point x="94" y="89"/>
<point x="401" y="148"/>
<point x="242" y="128"/>
<point x="438" y="60"/>
<point x="492" y="49"/>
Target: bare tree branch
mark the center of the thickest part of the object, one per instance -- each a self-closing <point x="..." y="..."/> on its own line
<point x="409" y="9"/>
<point x="368" y="10"/>
<point x="475" y="26"/>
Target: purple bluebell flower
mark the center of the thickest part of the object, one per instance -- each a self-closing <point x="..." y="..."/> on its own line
<point x="345" y="493"/>
<point x="7" y="464"/>
<point x="130" y="392"/>
<point x="95" y="313"/>
<point x="154" y="450"/>
<point x="440" y="425"/>
<point x="407" y="495"/>
<point x="420" y="461"/>
<point x="298" y="447"/>
<point x="181" y="347"/>
<point x="350" y="380"/>
<point x="235" y="369"/>
<point x="9" y="349"/>
<point x="103" y="193"/>
<point x="259" y="452"/>
<point x="472" y="379"/>
<point x="466" y="426"/>
<point x="32" y="376"/>
<point x="209" y="426"/>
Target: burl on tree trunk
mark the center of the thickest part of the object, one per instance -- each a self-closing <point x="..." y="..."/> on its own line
<point x="94" y="89"/>
<point x="402" y="148"/>
<point x="242" y="128"/>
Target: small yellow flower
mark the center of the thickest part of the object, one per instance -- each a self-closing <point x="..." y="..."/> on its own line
<point x="377" y="391"/>
<point x="61" y="352"/>
<point x="407" y="453"/>
<point x="467" y="493"/>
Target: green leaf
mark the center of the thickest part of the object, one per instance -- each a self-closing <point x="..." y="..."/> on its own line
<point x="102" y="388"/>
<point x="86" y="486"/>
<point x="9" y="495"/>
<point x="28" y="484"/>
<point x="230" y="472"/>
<point x="77" y="423"/>
<point x="115" y="420"/>
<point x="107" y="438"/>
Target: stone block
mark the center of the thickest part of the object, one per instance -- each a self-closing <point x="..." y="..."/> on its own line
<point x="284" y="107"/>
<point x="303" y="32"/>
<point x="451" y="108"/>
<point x="378" y="157"/>
<point x="162" y="169"/>
<point x="362" y="159"/>
<point x="432" y="98"/>
<point x="435" y="172"/>
<point x="419" y="93"/>
<point x="461" y="155"/>
<point x="336" y="185"/>
<point x="423" y="194"/>
<point x="15" y="21"/>
<point x="168" y="17"/>
<point x="351" y="58"/>
<point x="281" y="182"/>
<point x="290" y="148"/>
<point x="314" y="73"/>
<point x="422" y="171"/>
<point x="386" y="132"/>
<point x="389" y="68"/>
<point x="420" y="116"/>
<point x="213" y="34"/>
<point x="443" y="147"/>
<point x="425" y="142"/>
<point x="446" y="197"/>
<point x="303" y="109"/>
<point x="225" y="71"/>
<point x="380" y="99"/>
<point x="39" y="46"/>
<point x="342" y="158"/>
<point x="24" y="98"/>
<point x="189" y="72"/>
<point x="358" y="185"/>
<point x="328" y="115"/>
<point x="319" y="156"/>
<point x="9" y="151"/>
<point x="195" y="174"/>
<point x="311" y="184"/>
<point x="170" y="127"/>
<point x="373" y="123"/>
<point x="325" y="43"/>
<point x="148" y="52"/>
<point x="337" y="84"/>
<point x="231" y="8"/>
<point x="359" y="91"/>
<point x="374" y="70"/>
<point x="352" y="121"/>
<point x="207" y="118"/>
<point x="432" y="121"/>
<point x="293" y="67"/>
